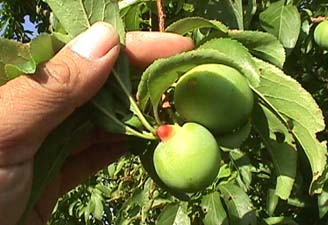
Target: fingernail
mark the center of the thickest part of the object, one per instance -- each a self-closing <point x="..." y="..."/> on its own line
<point x="96" y="42"/>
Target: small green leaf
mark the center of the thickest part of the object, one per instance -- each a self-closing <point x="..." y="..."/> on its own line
<point x="86" y="13"/>
<point x="97" y="200"/>
<point x="173" y="214"/>
<point x="280" y="220"/>
<point x="230" y="12"/>
<point x="272" y="201"/>
<point x="250" y="11"/>
<point x="168" y="215"/>
<point x="240" y="208"/>
<point x="244" y="167"/>
<point x="283" y="21"/>
<point x="188" y="24"/>
<point x="15" y="59"/>
<point x="3" y="76"/>
<point x="224" y="172"/>
<point x="133" y="17"/>
<point x="44" y="47"/>
<point x="283" y="152"/>
<point x="139" y="200"/>
<point x="214" y="212"/>
<point x="104" y="114"/>
<point x="262" y="45"/>
<point x="323" y="202"/>
<point x="298" y="111"/>
<point x="237" y="8"/>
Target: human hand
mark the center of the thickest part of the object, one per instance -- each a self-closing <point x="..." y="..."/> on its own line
<point x="32" y="106"/>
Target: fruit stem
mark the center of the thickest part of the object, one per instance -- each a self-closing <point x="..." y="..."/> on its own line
<point x="129" y="130"/>
<point x="134" y="104"/>
<point x="319" y="19"/>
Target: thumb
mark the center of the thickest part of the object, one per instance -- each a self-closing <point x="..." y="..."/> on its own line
<point x="31" y="106"/>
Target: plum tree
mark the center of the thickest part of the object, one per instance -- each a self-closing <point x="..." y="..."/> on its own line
<point x="321" y="35"/>
<point x="188" y="158"/>
<point x="214" y="95"/>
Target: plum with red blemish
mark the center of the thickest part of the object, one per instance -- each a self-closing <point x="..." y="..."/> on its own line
<point x="188" y="157"/>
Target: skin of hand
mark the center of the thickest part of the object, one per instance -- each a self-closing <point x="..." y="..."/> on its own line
<point x="32" y="106"/>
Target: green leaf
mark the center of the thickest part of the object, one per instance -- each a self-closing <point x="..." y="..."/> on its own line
<point x="234" y="50"/>
<point x="133" y="17"/>
<point x="272" y="201"/>
<point x="53" y="153"/>
<point x="113" y="99"/>
<point x="105" y="112"/>
<point x="283" y="21"/>
<point x="298" y="111"/>
<point x="230" y="12"/>
<point x="188" y="24"/>
<point x="214" y="212"/>
<point x="280" y="220"/>
<point x="15" y="59"/>
<point x="250" y="11"/>
<point x="224" y="172"/>
<point x="323" y="202"/>
<point x="97" y="201"/>
<point x="139" y="203"/>
<point x="173" y="214"/>
<point x="3" y="76"/>
<point x="237" y="8"/>
<point x="44" y="47"/>
<point x="86" y="13"/>
<point x="279" y="143"/>
<point x="240" y="208"/>
<point x="262" y="45"/>
<point x="244" y="167"/>
<point x="160" y="75"/>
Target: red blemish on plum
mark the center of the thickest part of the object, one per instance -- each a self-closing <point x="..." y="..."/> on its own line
<point x="165" y="132"/>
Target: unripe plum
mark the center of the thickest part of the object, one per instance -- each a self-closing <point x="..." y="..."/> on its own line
<point x="321" y="35"/>
<point x="187" y="159"/>
<point x="214" y="95"/>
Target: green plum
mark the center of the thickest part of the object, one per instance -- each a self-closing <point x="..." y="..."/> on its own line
<point x="321" y="35"/>
<point x="214" y="95"/>
<point x="188" y="157"/>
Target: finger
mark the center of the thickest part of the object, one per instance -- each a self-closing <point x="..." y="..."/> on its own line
<point x="31" y="106"/>
<point x="145" y="47"/>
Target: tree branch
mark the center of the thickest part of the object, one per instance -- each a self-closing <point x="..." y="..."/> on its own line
<point x="318" y="19"/>
<point x="161" y="15"/>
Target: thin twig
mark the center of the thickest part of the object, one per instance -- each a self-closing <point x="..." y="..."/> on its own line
<point x="319" y="19"/>
<point x="161" y="15"/>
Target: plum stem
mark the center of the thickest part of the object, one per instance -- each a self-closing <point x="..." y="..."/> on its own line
<point x="121" y="124"/>
<point x="134" y="104"/>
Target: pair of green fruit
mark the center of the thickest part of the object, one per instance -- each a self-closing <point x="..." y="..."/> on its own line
<point x="213" y="99"/>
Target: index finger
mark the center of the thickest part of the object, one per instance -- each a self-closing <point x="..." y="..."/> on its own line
<point x="143" y="47"/>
